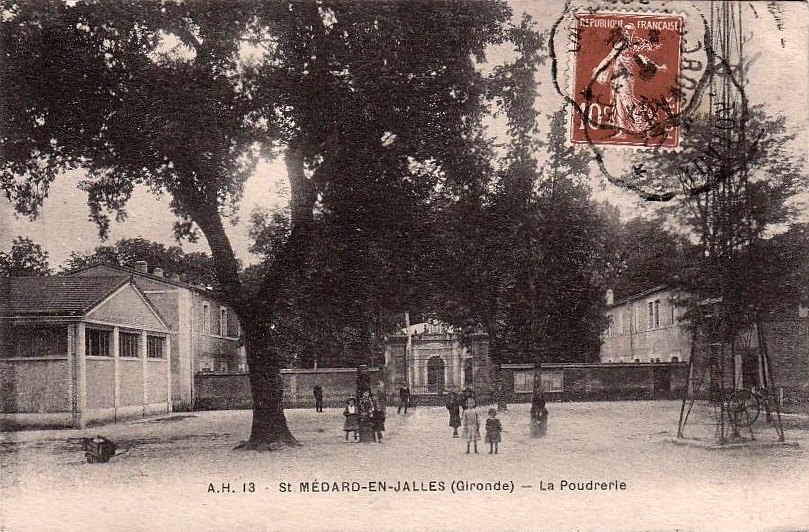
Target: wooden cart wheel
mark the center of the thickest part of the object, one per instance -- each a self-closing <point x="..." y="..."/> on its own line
<point x="744" y="408"/>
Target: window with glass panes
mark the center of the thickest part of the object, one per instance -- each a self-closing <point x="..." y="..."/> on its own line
<point x="97" y="342"/>
<point x="27" y="341"/>
<point x="523" y="381"/>
<point x="154" y="346"/>
<point x="128" y="345"/>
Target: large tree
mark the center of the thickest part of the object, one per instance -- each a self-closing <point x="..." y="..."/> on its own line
<point x="737" y="177"/>
<point x="525" y="251"/>
<point x="177" y="96"/>
<point x="650" y="253"/>
<point x="25" y="259"/>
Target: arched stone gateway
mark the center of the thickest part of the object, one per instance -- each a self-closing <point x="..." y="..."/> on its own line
<point x="435" y="374"/>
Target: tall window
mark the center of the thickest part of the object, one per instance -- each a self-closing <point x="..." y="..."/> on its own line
<point x="223" y="321"/>
<point x="651" y="316"/>
<point x="128" y="345"/>
<point x="206" y="317"/>
<point x="97" y="342"/>
<point x="657" y="314"/>
<point x="154" y="346"/>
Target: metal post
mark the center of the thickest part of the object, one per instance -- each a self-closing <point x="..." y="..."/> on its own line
<point x="408" y="347"/>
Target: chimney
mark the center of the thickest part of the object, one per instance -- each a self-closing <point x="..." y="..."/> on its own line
<point x="158" y="272"/>
<point x="175" y="277"/>
<point x="609" y="297"/>
<point x="142" y="266"/>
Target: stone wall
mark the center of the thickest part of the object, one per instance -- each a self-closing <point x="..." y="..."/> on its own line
<point x="227" y="391"/>
<point x="590" y="382"/>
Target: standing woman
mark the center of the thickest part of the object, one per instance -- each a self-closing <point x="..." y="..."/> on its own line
<point x="539" y="415"/>
<point x="471" y="424"/>
<point x="454" y="407"/>
<point x="365" y="409"/>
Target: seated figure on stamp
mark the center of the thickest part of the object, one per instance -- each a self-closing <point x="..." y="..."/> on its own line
<point x="631" y="114"/>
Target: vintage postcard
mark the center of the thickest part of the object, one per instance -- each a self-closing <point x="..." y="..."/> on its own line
<point x="404" y="265"/>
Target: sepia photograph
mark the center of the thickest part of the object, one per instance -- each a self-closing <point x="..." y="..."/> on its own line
<point x="404" y="265"/>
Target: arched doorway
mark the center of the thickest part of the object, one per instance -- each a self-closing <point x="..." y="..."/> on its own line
<point x="435" y="374"/>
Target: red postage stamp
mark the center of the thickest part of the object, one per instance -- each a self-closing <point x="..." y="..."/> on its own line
<point x="625" y="82"/>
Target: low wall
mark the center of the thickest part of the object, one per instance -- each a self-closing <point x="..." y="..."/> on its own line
<point x="595" y="382"/>
<point x="100" y="383"/>
<point x="625" y="381"/>
<point x="37" y="392"/>
<point x="131" y="392"/>
<point x="229" y="391"/>
<point x="222" y="391"/>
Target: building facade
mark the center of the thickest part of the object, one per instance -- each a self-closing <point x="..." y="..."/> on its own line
<point x="81" y="350"/>
<point x="432" y="359"/>
<point x="650" y="327"/>
<point x="206" y="332"/>
<point x="645" y="327"/>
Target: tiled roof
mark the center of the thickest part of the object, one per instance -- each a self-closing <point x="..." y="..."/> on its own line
<point x="54" y="296"/>
<point x="214" y="294"/>
<point x="640" y="295"/>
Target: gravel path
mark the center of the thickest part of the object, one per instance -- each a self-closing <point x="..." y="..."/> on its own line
<point x="163" y="481"/>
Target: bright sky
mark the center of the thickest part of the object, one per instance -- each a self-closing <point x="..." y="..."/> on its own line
<point x="779" y="77"/>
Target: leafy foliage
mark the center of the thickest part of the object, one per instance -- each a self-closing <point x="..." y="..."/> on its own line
<point x="736" y="185"/>
<point x="524" y="254"/>
<point x="650" y="254"/>
<point x="195" y="267"/>
<point x="24" y="259"/>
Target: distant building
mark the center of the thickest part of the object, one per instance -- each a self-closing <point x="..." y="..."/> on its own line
<point x="645" y="327"/>
<point x="206" y="331"/>
<point x="77" y="350"/>
<point x="432" y="359"/>
<point x="650" y="327"/>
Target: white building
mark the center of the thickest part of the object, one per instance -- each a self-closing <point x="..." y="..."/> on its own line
<point x="645" y="327"/>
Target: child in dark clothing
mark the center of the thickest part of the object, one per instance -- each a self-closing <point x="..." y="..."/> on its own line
<point x="352" y="419"/>
<point x="493" y="430"/>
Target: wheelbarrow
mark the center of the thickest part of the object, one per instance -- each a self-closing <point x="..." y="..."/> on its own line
<point x="99" y="449"/>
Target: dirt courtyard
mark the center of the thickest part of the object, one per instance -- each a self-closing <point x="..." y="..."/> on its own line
<point x="181" y="473"/>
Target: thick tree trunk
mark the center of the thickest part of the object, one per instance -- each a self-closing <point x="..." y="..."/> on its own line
<point x="269" y="430"/>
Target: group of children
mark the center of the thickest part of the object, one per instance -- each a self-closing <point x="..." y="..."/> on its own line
<point x="470" y="421"/>
<point x="365" y="416"/>
<point x="368" y="415"/>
